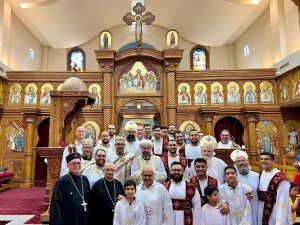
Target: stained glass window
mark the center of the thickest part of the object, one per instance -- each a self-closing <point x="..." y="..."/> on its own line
<point x="76" y="59"/>
<point x="199" y="58"/>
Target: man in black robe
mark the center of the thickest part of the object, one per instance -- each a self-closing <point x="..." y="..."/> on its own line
<point x="104" y="196"/>
<point x="70" y="198"/>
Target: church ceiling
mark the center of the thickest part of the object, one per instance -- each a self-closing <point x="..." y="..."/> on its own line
<point x="68" y="23"/>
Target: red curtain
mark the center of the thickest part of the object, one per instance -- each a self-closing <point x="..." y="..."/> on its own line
<point x="234" y="126"/>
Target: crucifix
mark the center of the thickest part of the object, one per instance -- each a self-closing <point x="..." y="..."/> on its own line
<point x="138" y="18"/>
<point x="84" y="204"/>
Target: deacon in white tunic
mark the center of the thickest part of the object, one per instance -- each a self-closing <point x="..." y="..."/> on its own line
<point x="215" y="166"/>
<point x="76" y="147"/>
<point x="247" y="176"/>
<point x="94" y="172"/>
<point x="281" y="211"/>
<point x="147" y="160"/>
<point x="157" y="141"/>
<point x="129" y="211"/>
<point x="193" y="150"/>
<point x="156" y="200"/>
<point x="184" y="194"/>
<point x="226" y="142"/>
<point x="235" y="194"/>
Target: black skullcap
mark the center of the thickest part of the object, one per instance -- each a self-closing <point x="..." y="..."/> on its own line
<point x="72" y="156"/>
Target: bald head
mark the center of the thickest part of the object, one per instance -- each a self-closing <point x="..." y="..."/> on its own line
<point x="147" y="176"/>
<point x="109" y="171"/>
<point x="80" y="133"/>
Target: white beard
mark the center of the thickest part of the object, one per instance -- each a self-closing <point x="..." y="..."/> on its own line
<point x="208" y="160"/>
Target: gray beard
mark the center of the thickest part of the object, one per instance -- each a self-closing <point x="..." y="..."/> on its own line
<point x="208" y="160"/>
<point x="243" y="171"/>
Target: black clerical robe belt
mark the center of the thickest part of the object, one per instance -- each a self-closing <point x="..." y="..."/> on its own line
<point x="267" y="196"/>
<point x="182" y="204"/>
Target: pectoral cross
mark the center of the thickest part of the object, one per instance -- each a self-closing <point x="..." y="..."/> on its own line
<point x="138" y="18"/>
<point x="84" y="204"/>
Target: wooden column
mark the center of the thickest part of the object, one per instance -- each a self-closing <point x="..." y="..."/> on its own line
<point x="172" y="58"/>
<point x="252" y="145"/>
<point x="106" y="59"/>
<point x="209" y="128"/>
<point x="29" y="162"/>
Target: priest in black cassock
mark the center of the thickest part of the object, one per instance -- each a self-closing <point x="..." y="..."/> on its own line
<point x="104" y="196"/>
<point x="70" y="201"/>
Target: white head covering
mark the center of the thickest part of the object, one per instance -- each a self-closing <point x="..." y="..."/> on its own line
<point x="146" y="142"/>
<point x="120" y="137"/>
<point x="88" y="142"/>
<point x="130" y="125"/>
<point x="238" y="153"/>
<point x="208" y="141"/>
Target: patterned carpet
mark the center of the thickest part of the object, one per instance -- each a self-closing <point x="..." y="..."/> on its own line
<point x="23" y="202"/>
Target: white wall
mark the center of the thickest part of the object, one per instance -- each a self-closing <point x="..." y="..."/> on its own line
<point x="21" y="40"/>
<point x="258" y="37"/>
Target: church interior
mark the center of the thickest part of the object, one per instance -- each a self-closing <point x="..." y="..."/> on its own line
<point x="204" y="65"/>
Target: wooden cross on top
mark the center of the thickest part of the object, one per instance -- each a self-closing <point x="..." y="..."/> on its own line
<point x="138" y="18"/>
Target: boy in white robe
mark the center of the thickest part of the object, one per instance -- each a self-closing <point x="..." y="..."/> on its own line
<point x="211" y="214"/>
<point x="129" y="211"/>
<point x="236" y="195"/>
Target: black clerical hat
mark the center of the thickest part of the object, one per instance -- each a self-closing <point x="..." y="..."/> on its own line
<point x="72" y="156"/>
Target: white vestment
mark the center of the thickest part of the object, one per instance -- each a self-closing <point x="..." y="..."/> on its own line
<point x="228" y="145"/>
<point x="129" y="214"/>
<point x="93" y="173"/>
<point x="251" y="179"/>
<point x="281" y="213"/>
<point x="215" y="169"/>
<point x="192" y="152"/>
<point x="109" y="151"/>
<point x="239" y="205"/>
<point x="154" y="162"/>
<point x="178" y="191"/>
<point x="158" y="146"/>
<point x="212" y="216"/>
<point x="157" y="203"/>
<point x="64" y="166"/>
<point x="122" y="166"/>
<point x="133" y="147"/>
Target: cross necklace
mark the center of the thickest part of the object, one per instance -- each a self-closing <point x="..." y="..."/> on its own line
<point x="84" y="203"/>
<point x="113" y="197"/>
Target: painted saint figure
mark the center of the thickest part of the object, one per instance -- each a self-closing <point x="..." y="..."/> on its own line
<point x="183" y="96"/>
<point x="15" y="98"/>
<point x="46" y="98"/>
<point x="297" y="93"/>
<point x="266" y="95"/>
<point x="293" y="136"/>
<point x="217" y="96"/>
<point x="250" y="95"/>
<point x="200" y="96"/>
<point x="233" y="95"/>
<point x="20" y="140"/>
<point x="172" y="40"/>
<point x="30" y="97"/>
<point x="105" y="41"/>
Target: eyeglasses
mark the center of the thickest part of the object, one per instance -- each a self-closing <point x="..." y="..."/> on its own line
<point x="75" y="164"/>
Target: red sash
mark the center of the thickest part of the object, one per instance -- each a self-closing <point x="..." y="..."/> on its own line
<point x="210" y="182"/>
<point x="269" y="196"/>
<point x="182" y="151"/>
<point x="184" y="204"/>
<point x="165" y="161"/>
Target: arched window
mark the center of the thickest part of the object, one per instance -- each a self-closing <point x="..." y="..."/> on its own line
<point x="76" y="58"/>
<point x="199" y="58"/>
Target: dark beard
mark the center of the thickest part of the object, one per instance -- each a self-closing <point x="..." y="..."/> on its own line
<point x="176" y="179"/>
<point x="130" y="138"/>
<point x="194" y="142"/>
<point x="146" y="156"/>
<point x="105" y="142"/>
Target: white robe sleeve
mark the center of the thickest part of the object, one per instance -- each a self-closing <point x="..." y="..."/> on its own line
<point x="160" y="175"/>
<point x="64" y="166"/>
<point x="140" y="215"/>
<point x="135" y="171"/>
<point x="282" y="207"/>
<point x="247" y="216"/>
<point x="196" y="208"/>
<point x="117" y="216"/>
<point x="167" y="207"/>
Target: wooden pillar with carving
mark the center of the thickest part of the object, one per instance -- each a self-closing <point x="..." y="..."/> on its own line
<point x="106" y="59"/>
<point x="172" y="58"/>
<point x="29" y="163"/>
<point x="209" y="128"/>
<point x="252" y="145"/>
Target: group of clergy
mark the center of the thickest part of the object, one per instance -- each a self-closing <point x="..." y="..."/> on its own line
<point x="152" y="180"/>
